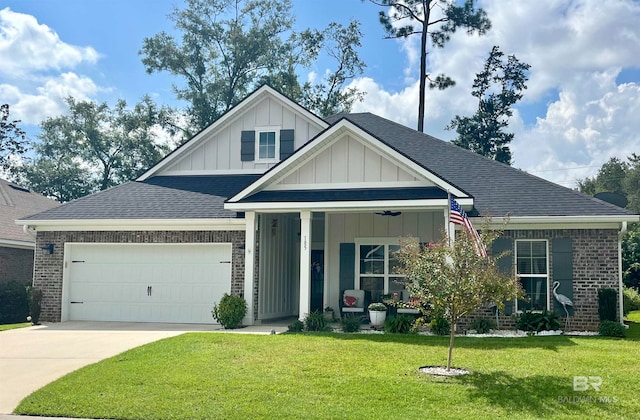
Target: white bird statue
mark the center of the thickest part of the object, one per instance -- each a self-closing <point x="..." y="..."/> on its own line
<point x="563" y="300"/>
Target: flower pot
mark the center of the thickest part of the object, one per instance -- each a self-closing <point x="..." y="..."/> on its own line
<point x="328" y="315"/>
<point x="377" y="318"/>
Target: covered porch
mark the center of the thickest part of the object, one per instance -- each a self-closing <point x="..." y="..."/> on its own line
<point x="299" y="262"/>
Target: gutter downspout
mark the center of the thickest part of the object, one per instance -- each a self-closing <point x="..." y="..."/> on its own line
<point x="623" y="230"/>
<point x="30" y="232"/>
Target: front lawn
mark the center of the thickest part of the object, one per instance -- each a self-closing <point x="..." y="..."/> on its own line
<point x="6" y="327"/>
<point x="217" y="375"/>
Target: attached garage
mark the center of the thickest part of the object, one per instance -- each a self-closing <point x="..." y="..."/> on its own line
<point x="174" y="283"/>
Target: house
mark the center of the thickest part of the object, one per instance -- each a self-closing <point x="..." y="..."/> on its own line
<point x="16" y="245"/>
<point x="287" y="209"/>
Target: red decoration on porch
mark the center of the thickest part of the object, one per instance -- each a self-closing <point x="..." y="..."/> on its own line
<point x="350" y="301"/>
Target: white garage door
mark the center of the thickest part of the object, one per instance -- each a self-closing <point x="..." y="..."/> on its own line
<point x="146" y="282"/>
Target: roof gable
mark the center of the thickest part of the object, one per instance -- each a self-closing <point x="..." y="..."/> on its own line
<point x="325" y="162"/>
<point x="498" y="189"/>
<point x="217" y="148"/>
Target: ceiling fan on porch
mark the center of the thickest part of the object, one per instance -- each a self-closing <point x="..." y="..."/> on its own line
<point x="389" y="213"/>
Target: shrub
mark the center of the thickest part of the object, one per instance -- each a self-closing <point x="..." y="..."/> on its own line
<point x="296" y="326"/>
<point x="483" y="325"/>
<point x="607" y="304"/>
<point x="401" y="324"/>
<point x="630" y="300"/>
<point x="350" y="324"/>
<point x="612" y="329"/>
<point x="537" y="321"/>
<point x="315" y="321"/>
<point x="34" y="298"/>
<point x="230" y="311"/>
<point x="13" y="303"/>
<point x="440" y="326"/>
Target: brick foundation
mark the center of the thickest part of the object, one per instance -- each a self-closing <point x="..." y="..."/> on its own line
<point x="49" y="267"/>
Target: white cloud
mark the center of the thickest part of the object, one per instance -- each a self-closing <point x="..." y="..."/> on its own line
<point x="576" y="49"/>
<point x="27" y="46"/>
<point x="47" y="100"/>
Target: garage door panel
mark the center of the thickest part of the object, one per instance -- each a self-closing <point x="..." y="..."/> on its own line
<point x="112" y="281"/>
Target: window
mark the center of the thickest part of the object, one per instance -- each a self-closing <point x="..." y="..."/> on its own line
<point x="377" y="266"/>
<point x="532" y="267"/>
<point x="267" y="143"/>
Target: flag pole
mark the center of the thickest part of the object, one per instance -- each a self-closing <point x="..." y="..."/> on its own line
<point x="451" y="230"/>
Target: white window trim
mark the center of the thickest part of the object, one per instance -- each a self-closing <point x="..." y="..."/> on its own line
<point x="515" y="259"/>
<point x="386" y="241"/>
<point x="267" y="129"/>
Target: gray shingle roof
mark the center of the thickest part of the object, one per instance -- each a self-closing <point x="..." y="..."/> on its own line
<point x="497" y="188"/>
<point x="160" y="197"/>
<point x="15" y="203"/>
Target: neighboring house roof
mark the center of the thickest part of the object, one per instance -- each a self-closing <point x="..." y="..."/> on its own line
<point x="160" y="197"/>
<point x="15" y="203"/>
<point x="497" y="188"/>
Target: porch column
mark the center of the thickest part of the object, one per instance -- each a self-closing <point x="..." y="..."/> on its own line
<point x="249" y="265"/>
<point x="305" y="264"/>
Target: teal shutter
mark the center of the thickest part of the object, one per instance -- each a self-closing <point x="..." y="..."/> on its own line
<point x="247" y="146"/>
<point x="347" y="264"/>
<point x="505" y="264"/>
<point x="562" y="270"/>
<point x="286" y="143"/>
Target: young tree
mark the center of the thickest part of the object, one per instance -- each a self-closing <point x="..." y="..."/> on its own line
<point x="94" y="147"/>
<point x="418" y="17"/>
<point x="454" y="280"/>
<point x="497" y="87"/>
<point x="12" y="138"/>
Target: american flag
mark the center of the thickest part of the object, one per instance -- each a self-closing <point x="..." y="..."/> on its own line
<point x="458" y="216"/>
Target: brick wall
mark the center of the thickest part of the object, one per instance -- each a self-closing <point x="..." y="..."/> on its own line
<point x="49" y="267"/>
<point x="16" y="265"/>
<point x="595" y="266"/>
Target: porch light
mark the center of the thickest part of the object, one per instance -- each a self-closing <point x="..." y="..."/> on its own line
<point x="48" y="247"/>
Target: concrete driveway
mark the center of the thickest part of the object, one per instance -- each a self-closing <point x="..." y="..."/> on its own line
<point x="35" y="356"/>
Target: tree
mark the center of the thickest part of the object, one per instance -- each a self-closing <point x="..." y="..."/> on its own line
<point x="12" y="138"/>
<point x="622" y="177"/>
<point x="329" y="97"/>
<point x="417" y="17"/>
<point x="93" y="148"/>
<point x="229" y="48"/>
<point x="497" y="87"/>
<point x="610" y="178"/>
<point x="454" y="280"/>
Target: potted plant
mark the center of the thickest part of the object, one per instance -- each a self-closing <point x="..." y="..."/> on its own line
<point x="329" y="313"/>
<point x="377" y="314"/>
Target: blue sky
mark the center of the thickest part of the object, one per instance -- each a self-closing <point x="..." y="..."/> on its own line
<point x="581" y="108"/>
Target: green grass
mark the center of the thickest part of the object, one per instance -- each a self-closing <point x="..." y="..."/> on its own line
<point x="634" y="325"/>
<point x="5" y="327"/>
<point x="325" y="375"/>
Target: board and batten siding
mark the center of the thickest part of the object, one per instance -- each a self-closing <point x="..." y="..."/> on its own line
<point x="347" y="160"/>
<point x="279" y="267"/>
<point x="346" y="227"/>
<point x="221" y="151"/>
